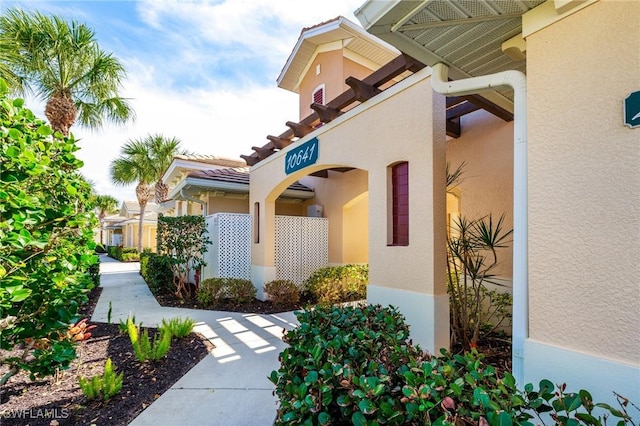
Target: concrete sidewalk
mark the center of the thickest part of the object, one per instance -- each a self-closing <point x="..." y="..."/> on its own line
<point x="230" y="386"/>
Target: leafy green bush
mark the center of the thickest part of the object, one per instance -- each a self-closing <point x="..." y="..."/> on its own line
<point x="216" y="292"/>
<point x="130" y="257"/>
<point x="100" y="248"/>
<point x="335" y="284"/>
<point x="102" y="386"/>
<point x="239" y="290"/>
<point x="184" y="240"/>
<point x="282" y="292"/>
<point x="46" y="241"/>
<point x="342" y="363"/>
<point x="347" y="365"/>
<point x="156" y="271"/>
<point x="211" y="291"/>
<point x="178" y="327"/>
<point x="143" y="347"/>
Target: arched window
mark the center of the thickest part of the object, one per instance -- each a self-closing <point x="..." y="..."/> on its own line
<point x="399" y="191"/>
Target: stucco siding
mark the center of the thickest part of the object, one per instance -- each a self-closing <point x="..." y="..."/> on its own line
<point x="486" y="148"/>
<point x="584" y="181"/>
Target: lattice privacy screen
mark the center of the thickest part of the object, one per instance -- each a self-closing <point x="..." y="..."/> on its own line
<point x="302" y="246"/>
<point x="229" y="255"/>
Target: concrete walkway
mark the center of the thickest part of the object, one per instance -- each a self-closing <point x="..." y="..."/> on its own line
<point x="229" y="387"/>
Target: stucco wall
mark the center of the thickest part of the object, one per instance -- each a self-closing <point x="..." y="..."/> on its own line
<point x="486" y="147"/>
<point x="227" y="205"/>
<point x="344" y="201"/>
<point x="584" y="182"/>
<point x="334" y="69"/>
<point x="366" y="138"/>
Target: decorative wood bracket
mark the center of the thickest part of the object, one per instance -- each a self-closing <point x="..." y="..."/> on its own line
<point x="263" y="152"/>
<point x="363" y="91"/>
<point x="299" y="130"/>
<point x="326" y="114"/>
<point x="279" y="142"/>
<point x="250" y="159"/>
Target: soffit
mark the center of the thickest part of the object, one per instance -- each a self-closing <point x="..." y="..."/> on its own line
<point x="352" y="37"/>
<point x="466" y="35"/>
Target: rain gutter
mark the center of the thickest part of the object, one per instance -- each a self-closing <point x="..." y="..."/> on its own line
<point x="517" y="81"/>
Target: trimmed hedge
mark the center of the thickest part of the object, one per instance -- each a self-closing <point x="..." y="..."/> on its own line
<point x="124" y="254"/>
<point x="216" y="292"/>
<point x="336" y="284"/>
<point x="156" y="271"/>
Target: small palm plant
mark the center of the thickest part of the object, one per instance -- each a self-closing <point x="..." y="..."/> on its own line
<point x="472" y="254"/>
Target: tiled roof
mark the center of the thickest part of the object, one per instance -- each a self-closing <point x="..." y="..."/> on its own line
<point x="212" y="159"/>
<point x="236" y="175"/>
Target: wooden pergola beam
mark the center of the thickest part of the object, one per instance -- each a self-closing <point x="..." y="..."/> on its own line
<point x="453" y="127"/>
<point x="326" y="113"/>
<point x="263" y="152"/>
<point x="363" y="91"/>
<point x="299" y="130"/>
<point x="279" y="142"/>
<point x="461" y="109"/>
<point x="251" y="160"/>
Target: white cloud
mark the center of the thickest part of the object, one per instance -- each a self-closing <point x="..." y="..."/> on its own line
<point x="202" y="71"/>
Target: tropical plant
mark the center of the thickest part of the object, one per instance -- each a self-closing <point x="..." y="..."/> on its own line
<point x="472" y="255"/>
<point x="102" y="386"/>
<point x="143" y="347"/>
<point x="184" y="241"/>
<point x="345" y="365"/>
<point x="104" y="204"/>
<point x="46" y="245"/>
<point x="178" y="327"/>
<point x="144" y="161"/>
<point x="63" y="65"/>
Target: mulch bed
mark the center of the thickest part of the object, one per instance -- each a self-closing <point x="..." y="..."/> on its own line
<point x="60" y="401"/>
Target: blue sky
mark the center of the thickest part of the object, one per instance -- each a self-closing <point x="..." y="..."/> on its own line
<point x="202" y="71"/>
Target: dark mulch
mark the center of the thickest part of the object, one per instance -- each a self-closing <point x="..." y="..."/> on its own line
<point x="256" y="306"/>
<point x="59" y="400"/>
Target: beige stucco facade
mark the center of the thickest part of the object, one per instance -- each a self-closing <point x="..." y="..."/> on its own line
<point x="584" y="181"/>
<point x="364" y="138"/>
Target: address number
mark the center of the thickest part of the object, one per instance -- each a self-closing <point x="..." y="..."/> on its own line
<point x="301" y="157"/>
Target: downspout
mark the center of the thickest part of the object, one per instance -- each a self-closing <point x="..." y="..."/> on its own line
<point x="517" y="81"/>
<point x="186" y="197"/>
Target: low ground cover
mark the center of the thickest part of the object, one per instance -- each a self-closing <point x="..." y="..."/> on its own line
<point x="59" y="400"/>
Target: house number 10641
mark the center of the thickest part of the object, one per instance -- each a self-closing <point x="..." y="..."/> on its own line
<point x="302" y="156"/>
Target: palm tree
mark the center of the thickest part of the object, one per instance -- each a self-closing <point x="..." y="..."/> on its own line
<point x="104" y="204"/>
<point x="144" y="161"/>
<point x="62" y="64"/>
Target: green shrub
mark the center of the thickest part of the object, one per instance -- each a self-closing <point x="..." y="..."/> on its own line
<point x="102" y="386"/>
<point x="115" y="252"/>
<point x="335" y="284"/>
<point x="211" y="291"/>
<point x="343" y="363"/>
<point x="216" y="292"/>
<point x="94" y="273"/>
<point x="282" y="292"/>
<point x="130" y="257"/>
<point x="100" y="249"/>
<point x="156" y="271"/>
<point x="346" y="365"/>
<point x="178" y="327"/>
<point x="143" y="347"/>
<point x="46" y="241"/>
<point x="240" y="290"/>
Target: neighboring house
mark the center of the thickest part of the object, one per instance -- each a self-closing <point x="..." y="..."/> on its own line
<point x="550" y="150"/>
<point x="201" y="184"/>
<point x="122" y="229"/>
